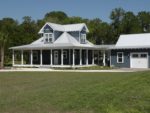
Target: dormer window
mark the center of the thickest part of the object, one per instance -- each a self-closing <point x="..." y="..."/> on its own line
<point x="48" y="37"/>
<point x="83" y="38"/>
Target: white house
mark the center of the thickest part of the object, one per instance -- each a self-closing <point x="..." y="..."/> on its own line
<point x="61" y="46"/>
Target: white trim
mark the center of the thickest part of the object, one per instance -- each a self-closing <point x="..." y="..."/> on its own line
<point x="110" y="59"/>
<point x="62" y="57"/>
<point x="21" y="57"/>
<point x="93" y="57"/>
<point x="48" y="40"/>
<point x="31" y="58"/>
<point x="13" y="58"/>
<point x="79" y="36"/>
<point x="41" y="57"/>
<point x="56" y="53"/>
<point x="87" y="57"/>
<point x="51" y="54"/>
<point x="83" y="38"/>
<point x="120" y="57"/>
<point x="73" y="59"/>
<point x="104" y="58"/>
<point x="80" y="56"/>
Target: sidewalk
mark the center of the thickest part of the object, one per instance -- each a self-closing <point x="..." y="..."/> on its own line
<point x="65" y="70"/>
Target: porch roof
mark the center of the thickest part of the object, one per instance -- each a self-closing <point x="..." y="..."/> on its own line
<point x="61" y="46"/>
<point x="131" y="47"/>
<point x="105" y="47"/>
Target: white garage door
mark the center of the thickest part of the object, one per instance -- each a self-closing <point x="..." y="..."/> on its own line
<point x="139" y="60"/>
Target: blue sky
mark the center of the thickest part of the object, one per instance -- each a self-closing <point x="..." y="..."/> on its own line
<point x="84" y="8"/>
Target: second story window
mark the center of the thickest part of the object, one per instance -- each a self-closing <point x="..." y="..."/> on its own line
<point x="83" y="38"/>
<point x="48" y="37"/>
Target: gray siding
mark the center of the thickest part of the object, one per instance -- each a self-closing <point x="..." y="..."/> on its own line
<point x="126" y="53"/>
<point x="57" y="34"/>
<point x="75" y="35"/>
<point x="48" y="29"/>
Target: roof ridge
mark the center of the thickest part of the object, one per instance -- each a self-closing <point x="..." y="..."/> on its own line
<point x="135" y="34"/>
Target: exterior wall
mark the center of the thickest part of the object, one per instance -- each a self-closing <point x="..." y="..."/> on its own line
<point x="57" y="34"/>
<point x="75" y="35"/>
<point x="83" y="30"/>
<point x="48" y="29"/>
<point x="126" y="53"/>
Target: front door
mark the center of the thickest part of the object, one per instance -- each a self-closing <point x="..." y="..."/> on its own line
<point x="55" y="57"/>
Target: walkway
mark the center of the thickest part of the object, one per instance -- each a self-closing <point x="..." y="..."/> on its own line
<point x="69" y="70"/>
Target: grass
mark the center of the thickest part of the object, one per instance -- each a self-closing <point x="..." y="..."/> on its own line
<point x="51" y="92"/>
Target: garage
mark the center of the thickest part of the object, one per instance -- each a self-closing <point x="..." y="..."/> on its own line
<point x="139" y="60"/>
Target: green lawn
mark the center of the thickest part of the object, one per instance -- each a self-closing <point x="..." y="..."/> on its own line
<point x="51" y="92"/>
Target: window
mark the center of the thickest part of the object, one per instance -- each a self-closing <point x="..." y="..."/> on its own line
<point x="48" y="37"/>
<point x="135" y="55"/>
<point x="65" y="54"/>
<point x="139" y="55"/>
<point x="120" y="58"/>
<point x="143" y="55"/>
<point x="83" y="38"/>
<point x="35" y="55"/>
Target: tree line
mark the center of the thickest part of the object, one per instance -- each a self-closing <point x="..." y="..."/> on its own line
<point x="13" y="33"/>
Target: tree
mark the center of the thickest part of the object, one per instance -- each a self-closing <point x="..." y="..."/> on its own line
<point x="130" y="24"/>
<point x="8" y="28"/>
<point x="3" y="41"/>
<point x="56" y="17"/>
<point x="93" y="26"/>
<point x="116" y="16"/>
<point x="144" y="20"/>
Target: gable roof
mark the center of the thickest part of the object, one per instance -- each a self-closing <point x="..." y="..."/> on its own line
<point x="133" y="41"/>
<point x="66" y="38"/>
<point x="65" y="28"/>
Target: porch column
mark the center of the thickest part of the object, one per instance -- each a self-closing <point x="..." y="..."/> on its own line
<point x="73" y="63"/>
<point x="87" y="57"/>
<point x="80" y="56"/>
<point x="31" y="58"/>
<point x="13" y="58"/>
<point x="51" y="57"/>
<point x="93" y="57"/>
<point x="104" y="57"/>
<point x="62" y="59"/>
<point x="21" y="57"/>
<point x="69" y="57"/>
<point x="41" y="58"/>
<point x="98" y="58"/>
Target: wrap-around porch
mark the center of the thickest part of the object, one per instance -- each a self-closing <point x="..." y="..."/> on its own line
<point x="59" y="58"/>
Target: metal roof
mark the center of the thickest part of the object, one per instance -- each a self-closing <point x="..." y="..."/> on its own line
<point x="133" y="41"/>
<point x="64" y="41"/>
<point x="65" y="28"/>
<point x="106" y="47"/>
